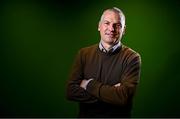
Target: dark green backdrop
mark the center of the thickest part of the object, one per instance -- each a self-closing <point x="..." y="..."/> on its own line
<point x="39" y="39"/>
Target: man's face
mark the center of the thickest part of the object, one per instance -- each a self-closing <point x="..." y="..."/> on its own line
<point x="110" y="27"/>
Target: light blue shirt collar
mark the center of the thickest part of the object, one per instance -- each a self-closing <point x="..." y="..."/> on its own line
<point x="112" y="49"/>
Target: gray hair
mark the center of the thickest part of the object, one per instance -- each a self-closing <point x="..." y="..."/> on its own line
<point x="116" y="10"/>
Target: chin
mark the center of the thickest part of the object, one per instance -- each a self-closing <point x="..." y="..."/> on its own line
<point x="111" y="41"/>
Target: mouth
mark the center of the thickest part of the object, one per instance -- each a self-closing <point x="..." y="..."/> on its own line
<point x="110" y="35"/>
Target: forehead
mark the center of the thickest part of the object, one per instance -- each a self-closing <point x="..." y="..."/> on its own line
<point x="111" y="16"/>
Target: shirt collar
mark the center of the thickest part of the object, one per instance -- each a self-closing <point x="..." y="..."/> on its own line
<point x="112" y="49"/>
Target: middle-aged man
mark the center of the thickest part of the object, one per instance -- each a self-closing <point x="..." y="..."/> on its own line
<point x="105" y="75"/>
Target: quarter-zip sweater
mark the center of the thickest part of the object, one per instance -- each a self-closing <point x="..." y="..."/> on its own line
<point x="101" y="98"/>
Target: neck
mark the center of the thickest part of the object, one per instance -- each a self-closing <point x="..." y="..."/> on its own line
<point x="107" y="46"/>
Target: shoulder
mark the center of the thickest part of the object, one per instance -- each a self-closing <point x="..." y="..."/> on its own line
<point x="88" y="49"/>
<point x="128" y="51"/>
<point x="130" y="54"/>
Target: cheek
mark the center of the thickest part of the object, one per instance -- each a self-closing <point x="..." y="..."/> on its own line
<point x="103" y="27"/>
<point x="119" y="31"/>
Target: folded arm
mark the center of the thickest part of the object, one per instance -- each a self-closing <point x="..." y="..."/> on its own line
<point x="122" y="92"/>
<point x="74" y="91"/>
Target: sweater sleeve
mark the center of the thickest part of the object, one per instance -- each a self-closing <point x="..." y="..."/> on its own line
<point x="122" y="94"/>
<point x="74" y="91"/>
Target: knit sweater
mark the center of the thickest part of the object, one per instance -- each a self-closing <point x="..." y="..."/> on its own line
<point x="101" y="98"/>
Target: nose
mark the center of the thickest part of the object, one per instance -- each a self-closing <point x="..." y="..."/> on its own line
<point x="111" y="27"/>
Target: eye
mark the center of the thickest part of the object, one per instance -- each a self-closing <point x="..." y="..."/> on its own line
<point x="117" y="25"/>
<point x="106" y="23"/>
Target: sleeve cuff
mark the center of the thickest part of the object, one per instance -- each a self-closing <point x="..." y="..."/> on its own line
<point x="93" y="88"/>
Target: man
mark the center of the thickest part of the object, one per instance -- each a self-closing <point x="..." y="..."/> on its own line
<point x="104" y="76"/>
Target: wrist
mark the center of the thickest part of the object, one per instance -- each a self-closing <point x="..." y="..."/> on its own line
<point x="88" y="82"/>
<point x="84" y="83"/>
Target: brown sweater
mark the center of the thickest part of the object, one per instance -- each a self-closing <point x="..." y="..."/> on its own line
<point x="102" y="98"/>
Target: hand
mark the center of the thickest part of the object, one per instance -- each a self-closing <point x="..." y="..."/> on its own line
<point x="118" y="84"/>
<point x="84" y="83"/>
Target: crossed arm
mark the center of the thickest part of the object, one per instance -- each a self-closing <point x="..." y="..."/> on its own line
<point x="85" y="82"/>
<point x="91" y="90"/>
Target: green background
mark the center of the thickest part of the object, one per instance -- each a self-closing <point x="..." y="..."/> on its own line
<point x="39" y="40"/>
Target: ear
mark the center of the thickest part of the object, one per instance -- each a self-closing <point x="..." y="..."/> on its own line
<point x="124" y="31"/>
<point x="99" y="26"/>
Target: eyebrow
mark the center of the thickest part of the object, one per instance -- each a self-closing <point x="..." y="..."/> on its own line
<point x="119" y="23"/>
<point x="106" y="21"/>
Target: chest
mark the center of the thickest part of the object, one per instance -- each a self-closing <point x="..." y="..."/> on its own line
<point x="106" y="69"/>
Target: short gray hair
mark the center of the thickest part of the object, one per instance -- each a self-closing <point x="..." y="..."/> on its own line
<point x="117" y="10"/>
